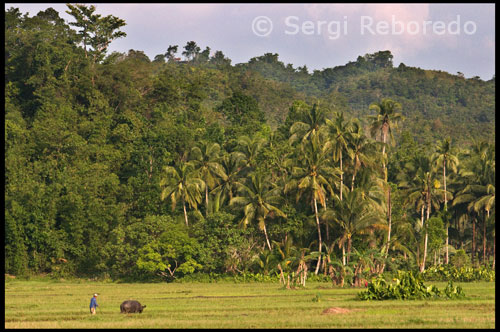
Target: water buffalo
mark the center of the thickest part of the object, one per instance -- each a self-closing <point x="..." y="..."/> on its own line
<point x="131" y="306"/>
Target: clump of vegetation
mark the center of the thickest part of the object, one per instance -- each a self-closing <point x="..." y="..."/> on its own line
<point x="408" y="287"/>
<point x="460" y="259"/>
<point x="464" y="273"/>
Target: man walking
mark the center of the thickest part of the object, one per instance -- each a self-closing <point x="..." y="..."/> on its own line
<point x="93" y="304"/>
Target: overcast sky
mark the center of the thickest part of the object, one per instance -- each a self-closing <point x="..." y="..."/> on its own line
<point x="449" y="37"/>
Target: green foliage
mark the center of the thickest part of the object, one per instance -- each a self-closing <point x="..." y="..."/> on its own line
<point x="460" y="259"/>
<point x="463" y="273"/>
<point x="174" y="251"/>
<point x="407" y="287"/>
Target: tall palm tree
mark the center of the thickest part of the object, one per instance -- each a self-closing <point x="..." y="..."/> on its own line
<point x="250" y="147"/>
<point x="312" y="178"/>
<point x="355" y="215"/>
<point x="362" y="151"/>
<point x="309" y="125"/>
<point x="478" y="181"/>
<point x="232" y="164"/>
<point x="422" y="190"/>
<point x="445" y="157"/>
<point x="386" y="119"/>
<point x="259" y="199"/>
<point x="182" y="182"/>
<point x="205" y="158"/>
<point x="338" y="130"/>
<point x="384" y="122"/>
<point x="486" y="202"/>
<point x="433" y="195"/>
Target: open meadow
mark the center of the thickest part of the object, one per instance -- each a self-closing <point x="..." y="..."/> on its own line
<point x="65" y="304"/>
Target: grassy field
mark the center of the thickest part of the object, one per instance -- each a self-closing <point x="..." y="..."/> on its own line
<point x="56" y="304"/>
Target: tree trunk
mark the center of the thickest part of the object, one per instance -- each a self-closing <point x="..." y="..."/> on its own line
<point x="493" y="266"/>
<point x="473" y="240"/>
<point x="343" y="254"/>
<point x="484" y="239"/>
<point x="446" y="209"/>
<point x="265" y="233"/>
<point x="353" y="176"/>
<point x="349" y="242"/>
<point x="418" y="255"/>
<point x="319" y="236"/>
<point x="426" y="235"/>
<point x="447" y="239"/>
<point x="327" y="230"/>
<point x="185" y="212"/>
<point x="341" y="175"/>
<point x="389" y="216"/>
<point x="206" y="200"/>
<point x="384" y="137"/>
<point x="422" y="216"/>
<point x="422" y="267"/>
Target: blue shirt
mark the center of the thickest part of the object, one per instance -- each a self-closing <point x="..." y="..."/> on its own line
<point x="93" y="302"/>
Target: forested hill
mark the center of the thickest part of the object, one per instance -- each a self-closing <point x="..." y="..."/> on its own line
<point x="435" y="103"/>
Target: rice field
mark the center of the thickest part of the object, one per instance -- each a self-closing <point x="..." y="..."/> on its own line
<point x="65" y="304"/>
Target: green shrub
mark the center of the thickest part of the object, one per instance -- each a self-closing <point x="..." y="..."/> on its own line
<point x="464" y="273"/>
<point x="407" y="286"/>
<point x="460" y="259"/>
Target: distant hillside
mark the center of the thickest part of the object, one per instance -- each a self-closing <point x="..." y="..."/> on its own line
<point x="435" y="103"/>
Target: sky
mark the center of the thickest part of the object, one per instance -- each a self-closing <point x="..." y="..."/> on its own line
<point x="449" y="37"/>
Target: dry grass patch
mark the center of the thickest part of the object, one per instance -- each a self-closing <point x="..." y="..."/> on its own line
<point x="338" y="310"/>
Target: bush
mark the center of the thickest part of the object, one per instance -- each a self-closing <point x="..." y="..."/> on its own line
<point x="407" y="287"/>
<point x="465" y="273"/>
<point x="460" y="259"/>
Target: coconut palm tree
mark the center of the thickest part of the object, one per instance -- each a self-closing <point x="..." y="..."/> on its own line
<point x="422" y="190"/>
<point x="478" y="193"/>
<point x="259" y="199"/>
<point x="232" y="164"/>
<point x="362" y="151"/>
<point x="309" y="126"/>
<point x="311" y="179"/>
<point x="384" y="122"/>
<point x="205" y="159"/>
<point x="338" y="131"/>
<point x="182" y="182"/>
<point x="250" y="147"/>
<point x="485" y="202"/>
<point x="355" y="215"/>
<point x="386" y="119"/>
<point x="445" y="157"/>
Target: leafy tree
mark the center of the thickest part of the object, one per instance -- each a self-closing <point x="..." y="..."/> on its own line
<point x="191" y="50"/>
<point x="220" y="59"/>
<point x="96" y="31"/>
<point x="181" y="182"/>
<point x="205" y="158"/>
<point x="171" y="51"/>
<point x="259" y="200"/>
<point x="174" y="251"/>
